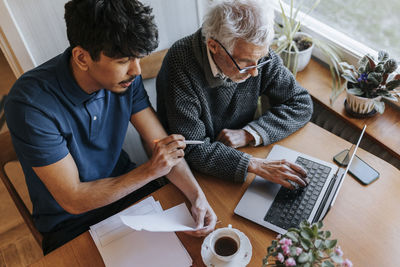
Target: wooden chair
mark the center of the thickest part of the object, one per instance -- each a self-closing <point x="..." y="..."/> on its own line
<point x="7" y="154"/>
<point x="2" y="115"/>
<point x="151" y="64"/>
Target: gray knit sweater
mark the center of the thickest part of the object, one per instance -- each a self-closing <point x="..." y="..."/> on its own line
<point x="192" y="102"/>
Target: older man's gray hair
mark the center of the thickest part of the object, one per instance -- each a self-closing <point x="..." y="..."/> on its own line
<point x="250" y="20"/>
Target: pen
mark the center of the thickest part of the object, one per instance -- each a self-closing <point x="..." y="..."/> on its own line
<point x="193" y="142"/>
<point x="188" y="142"/>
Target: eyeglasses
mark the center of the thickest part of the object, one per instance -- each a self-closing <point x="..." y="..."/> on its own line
<point x="245" y="69"/>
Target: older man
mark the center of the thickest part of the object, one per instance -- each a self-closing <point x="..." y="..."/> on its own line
<point x="208" y="89"/>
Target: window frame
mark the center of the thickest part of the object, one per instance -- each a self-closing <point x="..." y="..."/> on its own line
<point x="351" y="50"/>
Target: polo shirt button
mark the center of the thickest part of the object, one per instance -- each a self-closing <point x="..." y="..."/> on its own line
<point x="94" y="118"/>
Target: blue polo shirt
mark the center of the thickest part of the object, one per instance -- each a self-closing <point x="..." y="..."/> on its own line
<point x="49" y="116"/>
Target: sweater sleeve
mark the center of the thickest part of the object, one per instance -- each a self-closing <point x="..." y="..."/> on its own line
<point x="179" y="108"/>
<point x="290" y="104"/>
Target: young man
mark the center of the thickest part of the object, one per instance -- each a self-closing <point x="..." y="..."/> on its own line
<point x="208" y="89"/>
<point x="68" y="119"/>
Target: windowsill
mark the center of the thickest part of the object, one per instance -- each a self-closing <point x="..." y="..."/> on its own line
<point x="382" y="128"/>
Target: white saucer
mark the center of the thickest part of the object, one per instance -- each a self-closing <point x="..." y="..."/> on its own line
<point x="240" y="260"/>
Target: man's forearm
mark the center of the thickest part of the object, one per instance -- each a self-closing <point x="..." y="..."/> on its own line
<point x="182" y="177"/>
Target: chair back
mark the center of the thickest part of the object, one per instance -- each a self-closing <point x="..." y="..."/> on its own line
<point x="7" y="154"/>
<point x="151" y="64"/>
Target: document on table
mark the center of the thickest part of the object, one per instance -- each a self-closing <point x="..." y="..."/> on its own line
<point x="120" y="245"/>
<point x="175" y="219"/>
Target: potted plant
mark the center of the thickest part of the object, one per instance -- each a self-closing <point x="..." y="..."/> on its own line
<point x="295" y="47"/>
<point x="367" y="86"/>
<point x="306" y="246"/>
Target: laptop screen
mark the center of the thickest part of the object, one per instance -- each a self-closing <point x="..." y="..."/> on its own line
<point x="350" y="154"/>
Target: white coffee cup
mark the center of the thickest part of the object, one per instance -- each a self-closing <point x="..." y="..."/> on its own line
<point x="225" y="243"/>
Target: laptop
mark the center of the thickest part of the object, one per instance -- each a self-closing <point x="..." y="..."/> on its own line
<point x="279" y="208"/>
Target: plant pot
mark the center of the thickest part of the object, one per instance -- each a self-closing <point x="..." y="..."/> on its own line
<point x="301" y="59"/>
<point x="359" y="106"/>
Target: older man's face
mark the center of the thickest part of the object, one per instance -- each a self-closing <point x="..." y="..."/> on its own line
<point x="245" y="54"/>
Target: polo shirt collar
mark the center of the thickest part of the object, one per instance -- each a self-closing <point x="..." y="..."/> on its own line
<point x="69" y="86"/>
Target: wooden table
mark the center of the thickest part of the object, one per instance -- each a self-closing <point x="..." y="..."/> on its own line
<point x="382" y="128"/>
<point x="365" y="219"/>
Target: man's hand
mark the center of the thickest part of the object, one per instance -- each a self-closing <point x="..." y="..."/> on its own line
<point x="204" y="216"/>
<point x="279" y="171"/>
<point x="167" y="153"/>
<point x="235" y="138"/>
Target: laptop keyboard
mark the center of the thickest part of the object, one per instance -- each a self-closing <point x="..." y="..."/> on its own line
<point x="290" y="207"/>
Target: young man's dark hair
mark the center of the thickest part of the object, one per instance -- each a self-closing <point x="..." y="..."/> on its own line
<point x="118" y="28"/>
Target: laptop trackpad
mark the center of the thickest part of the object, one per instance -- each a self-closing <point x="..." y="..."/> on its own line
<point x="257" y="199"/>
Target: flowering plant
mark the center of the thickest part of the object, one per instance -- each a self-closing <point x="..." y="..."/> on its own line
<point x="306" y="246"/>
<point x="373" y="78"/>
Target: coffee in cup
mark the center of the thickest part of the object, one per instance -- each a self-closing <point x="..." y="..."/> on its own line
<point x="225" y="243"/>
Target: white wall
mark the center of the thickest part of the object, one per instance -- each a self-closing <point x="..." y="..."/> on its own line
<point x="40" y="28"/>
<point x="42" y="25"/>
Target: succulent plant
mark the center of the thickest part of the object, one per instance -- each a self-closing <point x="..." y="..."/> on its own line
<point x="306" y="246"/>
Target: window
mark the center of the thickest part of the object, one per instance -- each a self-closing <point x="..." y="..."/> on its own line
<point x="370" y="22"/>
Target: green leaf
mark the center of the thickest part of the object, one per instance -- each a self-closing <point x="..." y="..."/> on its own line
<point x="318" y="243"/>
<point x="303" y="257"/>
<point x="330" y="243"/>
<point x="379" y="106"/>
<point x="312" y="257"/>
<point x="327" y="264"/>
<point x="379" y="68"/>
<point x="307" y="233"/>
<point x="292" y="236"/>
<point x="327" y="234"/>
<point x="349" y="78"/>
<point x="362" y="64"/>
<point x="371" y="64"/>
<point x="392" y="85"/>
<point x="307" y="264"/>
<point x="319" y="254"/>
<point x="293" y="251"/>
<point x="295" y="230"/>
<point x="376" y="76"/>
<point x="355" y="91"/>
<point x="390" y="65"/>
<point x="348" y="66"/>
<point x="373" y="81"/>
<point x="320" y="224"/>
<point x="351" y="73"/>
<point x="390" y="98"/>
<point x="336" y="258"/>
<point x="383" y="55"/>
<point x="306" y="244"/>
<point x="314" y="229"/>
<point x="304" y="224"/>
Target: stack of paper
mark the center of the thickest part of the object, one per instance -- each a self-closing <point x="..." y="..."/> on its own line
<point x="120" y="245"/>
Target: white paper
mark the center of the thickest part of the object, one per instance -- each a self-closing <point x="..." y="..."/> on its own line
<point x="119" y="245"/>
<point x="174" y="219"/>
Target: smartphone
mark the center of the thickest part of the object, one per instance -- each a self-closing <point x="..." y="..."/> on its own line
<point x="359" y="169"/>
